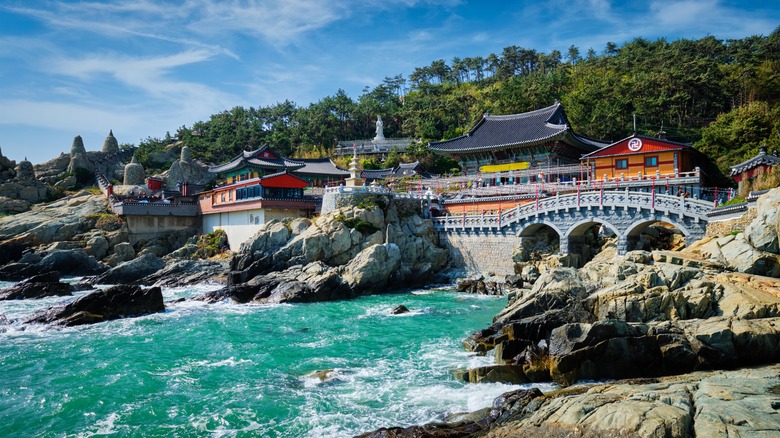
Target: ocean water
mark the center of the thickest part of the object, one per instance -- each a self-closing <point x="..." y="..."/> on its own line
<point x="244" y="370"/>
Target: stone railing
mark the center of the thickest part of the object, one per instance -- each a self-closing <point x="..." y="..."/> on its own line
<point x="480" y="184"/>
<point x="693" y="208"/>
<point x="359" y="189"/>
<point x="367" y="147"/>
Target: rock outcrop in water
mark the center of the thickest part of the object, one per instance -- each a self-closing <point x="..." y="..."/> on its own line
<point x="38" y="286"/>
<point x="103" y="305"/>
<point x="342" y="254"/>
<point x="702" y="404"/>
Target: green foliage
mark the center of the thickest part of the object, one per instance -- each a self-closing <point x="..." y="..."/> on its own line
<point x="734" y="201"/>
<point x="680" y="86"/>
<point x="84" y="177"/>
<point x="370" y="203"/>
<point x="364" y="227"/>
<point x="106" y="221"/>
<point x="212" y="244"/>
<point x="737" y="135"/>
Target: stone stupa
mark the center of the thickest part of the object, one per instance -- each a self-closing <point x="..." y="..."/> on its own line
<point x="78" y="156"/>
<point x="110" y="144"/>
<point x="134" y="173"/>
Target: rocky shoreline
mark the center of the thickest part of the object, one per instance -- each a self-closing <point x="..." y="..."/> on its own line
<point x="696" y="332"/>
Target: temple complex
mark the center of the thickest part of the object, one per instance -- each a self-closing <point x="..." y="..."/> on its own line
<point x="254" y="164"/>
<point x="537" y="139"/>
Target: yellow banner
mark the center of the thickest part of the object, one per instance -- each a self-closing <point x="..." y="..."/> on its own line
<point x="505" y="167"/>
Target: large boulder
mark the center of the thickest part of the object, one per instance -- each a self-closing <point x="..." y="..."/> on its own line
<point x="102" y="305"/>
<point x="372" y="268"/>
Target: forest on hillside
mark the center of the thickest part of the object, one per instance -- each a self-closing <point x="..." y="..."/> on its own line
<point x="723" y="96"/>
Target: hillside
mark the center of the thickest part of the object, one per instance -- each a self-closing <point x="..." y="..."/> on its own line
<point x="721" y="95"/>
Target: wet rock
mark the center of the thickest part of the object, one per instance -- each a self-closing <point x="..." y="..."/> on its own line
<point x="103" y="305"/>
<point x="480" y="285"/>
<point x="398" y="310"/>
<point x="38" y="286"/>
<point x="187" y="272"/>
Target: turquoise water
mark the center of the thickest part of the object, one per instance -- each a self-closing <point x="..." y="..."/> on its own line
<point x="242" y="370"/>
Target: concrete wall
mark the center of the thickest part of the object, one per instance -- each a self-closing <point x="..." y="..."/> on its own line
<point x="151" y="227"/>
<point x="482" y="251"/>
<point x="240" y="226"/>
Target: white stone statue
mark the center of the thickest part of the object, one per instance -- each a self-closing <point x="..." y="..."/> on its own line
<point x="380" y="135"/>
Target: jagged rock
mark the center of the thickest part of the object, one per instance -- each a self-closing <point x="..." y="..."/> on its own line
<point x="480" y="285"/>
<point x="131" y="271"/>
<point x="102" y="305"/>
<point x="25" y="171"/>
<point x="38" y="286"/>
<point x="69" y="261"/>
<point x="56" y="221"/>
<point x="341" y="238"/>
<point x="185" y="169"/>
<point x="187" y="272"/>
<point x="399" y="310"/>
<point x="298" y="226"/>
<point x="311" y="283"/>
<point x="67" y="183"/>
<point x="11" y="206"/>
<point x="371" y="268"/>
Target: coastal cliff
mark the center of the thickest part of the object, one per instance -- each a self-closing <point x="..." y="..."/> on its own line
<point x="695" y="334"/>
<point x="376" y="246"/>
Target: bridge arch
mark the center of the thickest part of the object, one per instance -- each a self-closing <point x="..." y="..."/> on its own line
<point x="634" y="231"/>
<point x="581" y="226"/>
<point x="578" y="241"/>
<point x="538" y="235"/>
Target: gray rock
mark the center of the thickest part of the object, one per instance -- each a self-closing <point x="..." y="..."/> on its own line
<point x="98" y="247"/>
<point x="103" y="305"/>
<point x="131" y="271"/>
<point x="123" y="252"/>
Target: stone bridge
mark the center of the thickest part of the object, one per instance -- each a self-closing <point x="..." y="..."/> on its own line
<point x="486" y="242"/>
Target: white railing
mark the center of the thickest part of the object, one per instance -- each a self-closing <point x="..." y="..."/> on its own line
<point x="483" y="184"/>
<point x="693" y="208"/>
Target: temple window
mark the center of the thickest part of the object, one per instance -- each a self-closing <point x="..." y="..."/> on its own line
<point x="621" y="163"/>
<point x="651" y="161"/>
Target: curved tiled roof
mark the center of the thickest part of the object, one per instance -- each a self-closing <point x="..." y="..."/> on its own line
<point x="403" y="169"/>
<point x="254" y="159"/>
<point x="376" y="173"/>
<point x="500" y="132"/>
<point x="320" y="166"/>
<point x="761" y="159"/>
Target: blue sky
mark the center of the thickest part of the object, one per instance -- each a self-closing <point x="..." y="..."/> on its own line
<point x="144" y="67"/>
